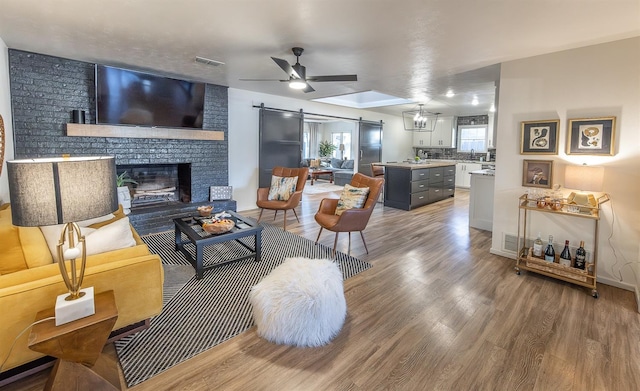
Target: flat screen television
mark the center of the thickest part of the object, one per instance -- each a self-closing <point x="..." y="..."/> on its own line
<point x="125" y="97"/>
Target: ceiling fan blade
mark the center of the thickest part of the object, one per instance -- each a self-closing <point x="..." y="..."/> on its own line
<point x="286" y="67"/>
<point x="308" y="88"/>
<point x="261" y="80"/>
<point x="334" y="78"/>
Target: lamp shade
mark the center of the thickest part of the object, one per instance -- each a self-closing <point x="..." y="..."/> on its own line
<point x="52" y="191"/>
<point x="585" y="178"/>
<point x="341" y="147"/>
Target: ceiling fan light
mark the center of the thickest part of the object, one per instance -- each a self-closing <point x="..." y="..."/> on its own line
<point x="297" y="84"/>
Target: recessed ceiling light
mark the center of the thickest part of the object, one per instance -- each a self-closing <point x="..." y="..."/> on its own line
<point x="493" y="108"/>
<point x="450" y="94"/>
<point x="475" y="101"/>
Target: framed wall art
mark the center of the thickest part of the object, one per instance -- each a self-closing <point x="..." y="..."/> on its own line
<point x="537" y="173"/>
<point x="591" y="136"/>
<point x="540" y="137"/>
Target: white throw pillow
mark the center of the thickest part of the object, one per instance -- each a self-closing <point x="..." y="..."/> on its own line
<point x="52" y="233"/>
<point x="110" y="237"/>
<point x="282" y="187"/>
<point x="86" y="223"/>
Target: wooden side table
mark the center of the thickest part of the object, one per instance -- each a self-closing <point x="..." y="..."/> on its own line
<point x="78" y="347"/>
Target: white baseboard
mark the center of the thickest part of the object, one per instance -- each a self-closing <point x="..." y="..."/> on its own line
<point x="502" y="253"/>
<point x="617" y="284"/>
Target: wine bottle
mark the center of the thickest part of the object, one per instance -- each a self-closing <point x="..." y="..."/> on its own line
<point x="549" y="252"/>
<point x="537" y="247"/>
<point x="565" y="255"/>
<point x="581" y="256"/>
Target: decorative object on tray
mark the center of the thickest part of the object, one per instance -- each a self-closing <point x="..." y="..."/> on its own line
<point x="205" y="210"/>
<point x="537" y="173"/>
<point x="215" y="226"/>
<point x="219" y="223"/>
<point x="539" y="137"/>
<point x="591" y="136"/>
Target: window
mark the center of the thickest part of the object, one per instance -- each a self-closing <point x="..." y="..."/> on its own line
<point x="305" y="144"/>
<point x="338" y="138"/>
<point x="472" y="137"/>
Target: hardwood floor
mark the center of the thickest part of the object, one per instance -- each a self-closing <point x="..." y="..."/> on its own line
<point x="436" y="312"/>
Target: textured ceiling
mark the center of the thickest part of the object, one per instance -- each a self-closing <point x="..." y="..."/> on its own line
<point x="411" y="49"/>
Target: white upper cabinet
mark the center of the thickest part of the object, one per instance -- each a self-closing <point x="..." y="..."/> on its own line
<point x="443" y="136"/>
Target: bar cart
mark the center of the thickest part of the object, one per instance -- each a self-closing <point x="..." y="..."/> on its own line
<point x="526" y="260"/>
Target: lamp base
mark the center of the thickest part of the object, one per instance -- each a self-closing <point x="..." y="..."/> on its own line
<point x="70" y="310"/>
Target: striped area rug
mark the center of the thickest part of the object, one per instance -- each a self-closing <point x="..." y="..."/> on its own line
<point x="206" y="312"/>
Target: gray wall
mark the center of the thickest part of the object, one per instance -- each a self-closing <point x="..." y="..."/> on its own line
<point x="44" y="91"/>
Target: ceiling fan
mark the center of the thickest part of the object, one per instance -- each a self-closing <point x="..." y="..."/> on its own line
<point x="297" y="74"/>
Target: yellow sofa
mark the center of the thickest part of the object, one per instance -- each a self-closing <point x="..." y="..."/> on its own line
<point x="30" y="282"/>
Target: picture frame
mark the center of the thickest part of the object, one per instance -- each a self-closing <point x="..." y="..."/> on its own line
<point x="537" y="173"/>
<point x="591" y="136"/>
<point x="539" y="137"/>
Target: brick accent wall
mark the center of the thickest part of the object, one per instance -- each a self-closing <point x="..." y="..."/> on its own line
<point x="44" y="91"/>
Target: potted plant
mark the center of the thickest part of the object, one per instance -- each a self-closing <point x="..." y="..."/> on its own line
<point x="124" y="196"/>
<point x="326" y="148"/>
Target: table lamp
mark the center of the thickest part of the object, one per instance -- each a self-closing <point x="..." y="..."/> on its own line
<point x="584" y="178"/>
<point x="341" y="149"/>
<point x="64" y="190"/>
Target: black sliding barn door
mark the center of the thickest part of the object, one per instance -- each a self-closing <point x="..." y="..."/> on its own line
<point x="369" y="145"/>
<point x="280" y="142"/>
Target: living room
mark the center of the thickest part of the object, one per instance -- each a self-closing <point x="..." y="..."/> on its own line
<point x="597" y="79"/>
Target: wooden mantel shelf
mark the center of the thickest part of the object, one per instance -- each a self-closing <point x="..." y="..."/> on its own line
<point x="91" y="130"/>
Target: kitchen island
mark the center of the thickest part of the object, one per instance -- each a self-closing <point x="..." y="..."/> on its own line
<point x="411" y="185"/>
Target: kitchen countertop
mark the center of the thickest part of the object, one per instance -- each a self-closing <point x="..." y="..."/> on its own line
<point x="417" y="166"/>
<point x="484" y="172"/>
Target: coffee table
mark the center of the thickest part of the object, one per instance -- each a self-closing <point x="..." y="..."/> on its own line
<point x="195" y="234"/>
<point x="316" y="173"/>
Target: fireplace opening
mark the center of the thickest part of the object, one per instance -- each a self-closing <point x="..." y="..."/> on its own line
<point x="158" y="184"/>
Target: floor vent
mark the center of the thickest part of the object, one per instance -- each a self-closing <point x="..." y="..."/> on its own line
<point x="510" y="243"/>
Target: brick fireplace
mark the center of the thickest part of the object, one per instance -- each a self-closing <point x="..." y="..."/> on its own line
<point x="44" y="91"/>
<point x="158" y="184"/>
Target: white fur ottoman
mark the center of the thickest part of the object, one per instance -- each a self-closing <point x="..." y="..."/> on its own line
<point x="300" y="303"/>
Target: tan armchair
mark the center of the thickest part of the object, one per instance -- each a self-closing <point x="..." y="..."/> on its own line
<point x="376" y="170"/>
<point x="263" y="193"/>
<point x="351" y="220"/>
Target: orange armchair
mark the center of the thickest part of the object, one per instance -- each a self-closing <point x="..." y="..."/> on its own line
<point x="263" y="193"/>
<point x="350" y="220"/>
